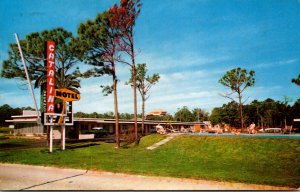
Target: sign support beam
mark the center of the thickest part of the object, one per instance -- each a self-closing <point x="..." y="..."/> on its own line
<point x="51" y="139"/>
<point x="63" y="137"/>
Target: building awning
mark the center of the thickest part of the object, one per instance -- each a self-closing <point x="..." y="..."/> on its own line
<point x="34" y="120"/>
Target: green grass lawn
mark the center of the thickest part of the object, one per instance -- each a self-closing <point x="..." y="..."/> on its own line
<point x="247" y="160"/>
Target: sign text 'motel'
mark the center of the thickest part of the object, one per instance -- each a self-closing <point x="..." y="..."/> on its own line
<point x="50" y="76"/>
<point x="66" y="95"/>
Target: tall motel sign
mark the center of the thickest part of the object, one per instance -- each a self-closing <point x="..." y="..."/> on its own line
<point x="56" y="104"/>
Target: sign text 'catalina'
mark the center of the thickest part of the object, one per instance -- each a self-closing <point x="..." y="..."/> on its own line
<point x="50" y="76"/>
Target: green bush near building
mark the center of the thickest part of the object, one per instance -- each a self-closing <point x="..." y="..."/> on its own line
<point x="247" y="160"/>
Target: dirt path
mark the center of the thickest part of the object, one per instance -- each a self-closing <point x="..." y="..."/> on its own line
<point x="25" y="177"/>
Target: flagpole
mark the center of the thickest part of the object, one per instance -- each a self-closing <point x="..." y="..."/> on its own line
<point x="28" y="80"/>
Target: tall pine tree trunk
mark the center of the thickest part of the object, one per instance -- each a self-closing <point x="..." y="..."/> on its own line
<point x="143" y="115"/>
<point x="241" y="111"/>
<point x="134" y="87"/>
<point x="134" y="100"/>
<point x="117" y="136"/>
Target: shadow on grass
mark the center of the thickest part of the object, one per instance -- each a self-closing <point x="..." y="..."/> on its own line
<point x="57" y="147"/>
<point x="3" y="138"/>
<point x="76" y="146"/>
<point x="10" y="146"/>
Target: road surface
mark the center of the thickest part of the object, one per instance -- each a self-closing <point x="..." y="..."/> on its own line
<point x="26" y="177"/>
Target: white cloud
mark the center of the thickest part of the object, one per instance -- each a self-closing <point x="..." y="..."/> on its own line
<point x="90" y="89"/>
<point x="190" y="88"/>
<point x="19" y="98"/>
<point x="262" y="92"/>
<point x="176" y="99"/>
<point x="92" y="98"/>
<point x="276" y="63"/>
<point x="184" y="80"/>
<point x="156" y="62"/>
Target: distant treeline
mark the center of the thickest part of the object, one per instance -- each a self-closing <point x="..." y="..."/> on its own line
<point x="107" y="115"/>
<point x="7" y="111"/>
<point x="267" y="113"/>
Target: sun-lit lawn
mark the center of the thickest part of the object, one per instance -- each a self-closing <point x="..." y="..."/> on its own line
<point x="248" y="160"/>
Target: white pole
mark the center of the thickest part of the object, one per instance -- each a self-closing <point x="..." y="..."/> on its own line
<point x="63" y="137"/>
<point x="51" y="139"/>
<point x="28" y="80"/>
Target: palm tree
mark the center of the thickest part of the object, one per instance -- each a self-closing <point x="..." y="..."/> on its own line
<point x="62" y="80"/>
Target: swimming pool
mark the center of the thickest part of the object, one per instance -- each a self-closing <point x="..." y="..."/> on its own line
<point x="243" y="135"/>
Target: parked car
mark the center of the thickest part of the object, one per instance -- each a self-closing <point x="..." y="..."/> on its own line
<point x="99" y="132"/>
<point x="296" y="126"/>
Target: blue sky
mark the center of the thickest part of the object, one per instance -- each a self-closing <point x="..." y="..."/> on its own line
<point x="190" y="43"/>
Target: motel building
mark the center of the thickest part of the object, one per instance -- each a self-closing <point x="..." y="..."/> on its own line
<point x="82" y="128"/>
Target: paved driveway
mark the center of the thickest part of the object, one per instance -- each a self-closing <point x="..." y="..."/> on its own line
<point x="25" y="177"/>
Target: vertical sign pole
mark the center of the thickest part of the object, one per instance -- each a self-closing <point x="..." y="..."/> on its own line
<point x="63" y="137"/>
<point x="47" y="131"/>
<point x="64" y="129"/>
<point x="63" y="132"/>
<point x="51" y="139"/>
<point x="28" y="80"/>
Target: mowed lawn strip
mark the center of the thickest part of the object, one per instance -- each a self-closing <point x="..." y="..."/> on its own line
<point x="247" y="160"/>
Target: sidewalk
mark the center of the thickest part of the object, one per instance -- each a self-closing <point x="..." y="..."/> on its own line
<point x="162" y="142"/>
<point x="26" y="177"/>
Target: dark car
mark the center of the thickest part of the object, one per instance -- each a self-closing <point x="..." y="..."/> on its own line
<point x="99" y="132"/>
<point x="296" y="126"/>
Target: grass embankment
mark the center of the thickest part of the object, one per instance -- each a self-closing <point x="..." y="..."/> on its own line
<point x="248" y="160"/>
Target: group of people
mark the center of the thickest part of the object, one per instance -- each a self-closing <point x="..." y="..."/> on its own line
<point x="251" y="129"/>
<point x="160" y="129"/>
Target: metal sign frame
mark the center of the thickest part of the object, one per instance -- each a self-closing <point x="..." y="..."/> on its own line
<point x="49" y="119"/>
